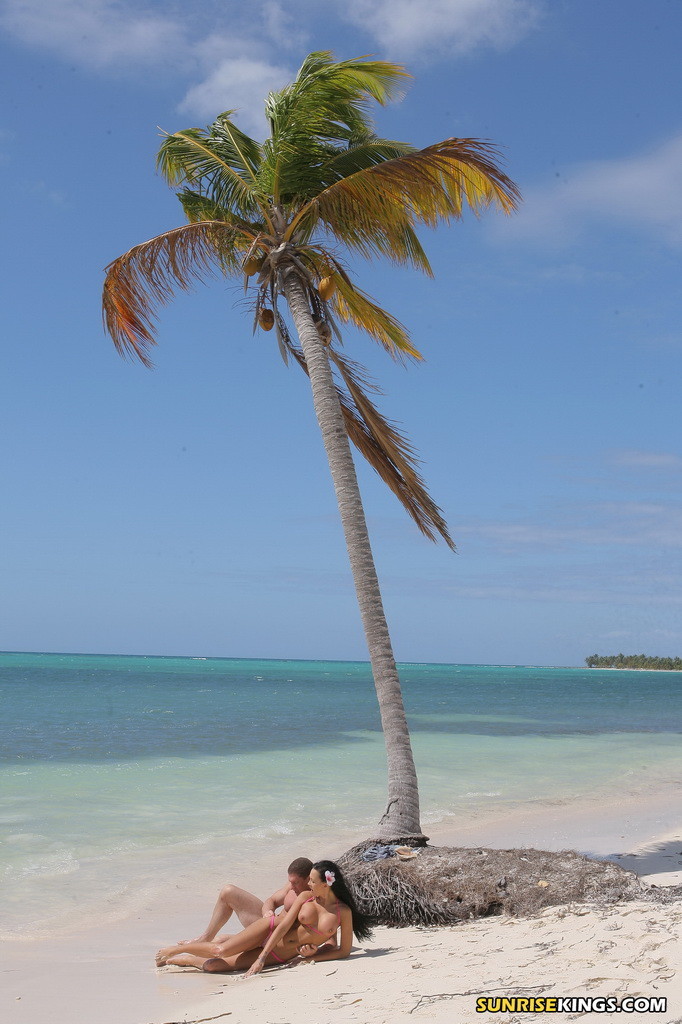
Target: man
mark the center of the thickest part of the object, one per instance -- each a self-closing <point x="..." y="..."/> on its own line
<point x="248" y="908"/>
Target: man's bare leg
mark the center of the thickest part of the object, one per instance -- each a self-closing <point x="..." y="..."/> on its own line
<point x="231" y="899"/>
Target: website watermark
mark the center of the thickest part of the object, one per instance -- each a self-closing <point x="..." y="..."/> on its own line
<point x="571" y="1004"/>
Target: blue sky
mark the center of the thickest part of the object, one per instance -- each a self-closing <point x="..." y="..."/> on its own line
<point x="189" y="510"/>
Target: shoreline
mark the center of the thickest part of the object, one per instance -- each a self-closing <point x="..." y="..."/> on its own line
<point x="647" y="807"/>
<point x="129" y="881"/>
<point x="111" y="968"/>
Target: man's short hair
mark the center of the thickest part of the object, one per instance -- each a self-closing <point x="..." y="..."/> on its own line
<point x="301" y="867"/>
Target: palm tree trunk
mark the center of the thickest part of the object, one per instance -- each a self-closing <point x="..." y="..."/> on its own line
<point x="401" y="817"/>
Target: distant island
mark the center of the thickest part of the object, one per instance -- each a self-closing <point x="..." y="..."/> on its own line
<point x="633" y="661"/>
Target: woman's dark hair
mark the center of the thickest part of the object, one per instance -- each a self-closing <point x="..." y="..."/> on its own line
<point x="361" y="922"/>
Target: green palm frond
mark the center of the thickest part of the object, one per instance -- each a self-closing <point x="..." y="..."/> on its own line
<point x="222" y="161"/>
<point x="302" y="180"/>
<point x="325" y="108"/>
<point x="329" y="99"/>
<point x="148" y="275"/>
<point x="438" y="180"/>
<point x="360" y="154"/>
<point x="373" y="210"/>
<point x="199" y="207"/>
<point x="238" y="148"/>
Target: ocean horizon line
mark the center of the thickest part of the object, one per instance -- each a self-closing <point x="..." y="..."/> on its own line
<point x="331" y="661"/>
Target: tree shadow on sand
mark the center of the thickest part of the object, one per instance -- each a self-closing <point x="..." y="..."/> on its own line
<point x="656" y="859"/>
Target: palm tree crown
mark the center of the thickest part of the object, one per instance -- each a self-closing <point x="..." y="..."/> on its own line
<point x="287" y="212"/>
<point x="323" y="176"/>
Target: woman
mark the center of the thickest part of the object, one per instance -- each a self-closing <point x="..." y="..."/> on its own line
<point x="302" y="932"/>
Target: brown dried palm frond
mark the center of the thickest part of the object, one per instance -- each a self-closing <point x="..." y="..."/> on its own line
<point x="445" y="885"/>
<point x="387" y="451"/>
<point x="148" y="275"/>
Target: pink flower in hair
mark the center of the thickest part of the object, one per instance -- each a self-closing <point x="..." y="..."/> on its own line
<point x="329" y="877"/>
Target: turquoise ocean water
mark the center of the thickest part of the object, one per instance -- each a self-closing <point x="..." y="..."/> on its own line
<point x="120" y="776"/>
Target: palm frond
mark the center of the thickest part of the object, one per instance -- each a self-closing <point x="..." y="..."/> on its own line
<point x="382" y="445"/>
<point x="352" y="305"/>
<point x="212" y="159"/>
<point x="389" y="453"/>
<point x="328" y="99"/>
<point x="373" y="210"/>
<point x="383" y="229"/>
<point x="361" y="153"/>
<point x="439" y="180"/>
<point x="198" y="207"/>
<point x="299" y="180"/>
<point x="323" y="110"/>
<point x="148" y="275"/>
<point x="238" y="148"/>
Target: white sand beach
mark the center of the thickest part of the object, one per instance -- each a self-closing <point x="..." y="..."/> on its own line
<point x="107" y="975"/>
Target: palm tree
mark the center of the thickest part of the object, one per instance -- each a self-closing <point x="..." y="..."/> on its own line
<point x="280" y="211"/>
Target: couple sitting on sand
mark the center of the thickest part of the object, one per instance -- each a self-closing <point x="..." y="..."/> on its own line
<point x="316" y="902"/>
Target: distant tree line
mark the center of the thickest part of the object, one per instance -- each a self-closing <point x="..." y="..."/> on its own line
<point x="633" y="661"/>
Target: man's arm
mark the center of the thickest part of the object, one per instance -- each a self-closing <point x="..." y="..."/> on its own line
<point x="276" y="900"/>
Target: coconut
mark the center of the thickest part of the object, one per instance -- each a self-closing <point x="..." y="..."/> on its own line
<point x="253" y="265"/>
<point x="327" y="287"/>
<point x="266" y="318"/>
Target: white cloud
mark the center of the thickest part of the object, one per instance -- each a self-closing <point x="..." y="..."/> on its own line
<point x="605" y="525"/>
<point x="43" y="192"/>
<point x="94" y="33"/>
<point x="647" y="460"/>
<point x="236" y="68"/>
<point x="239" y="83"/>
<point x="407" y="27"/>
<point x="230" y="70"/>
<point x="286" y="28"/>
<point x="643" y="191"/>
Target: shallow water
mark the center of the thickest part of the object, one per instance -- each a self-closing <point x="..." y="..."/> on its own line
<point x="122" y="776"/>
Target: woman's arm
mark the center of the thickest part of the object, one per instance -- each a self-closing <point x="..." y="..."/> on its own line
<point x="287" y="921"/>
<point x="344" y="947"/>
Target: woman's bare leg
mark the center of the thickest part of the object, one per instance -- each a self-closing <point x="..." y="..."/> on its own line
<point x="188" y="960"/>
<point x="252" y="937"/>
<point x="239" y="962"/>
<point x="203" y="949"/>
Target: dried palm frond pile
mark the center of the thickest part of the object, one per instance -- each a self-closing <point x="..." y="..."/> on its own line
<point x="444" y="885"/>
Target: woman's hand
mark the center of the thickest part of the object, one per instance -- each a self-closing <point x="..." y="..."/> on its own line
<point x="255" y="968"/>
<point x="307" y="950"/>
